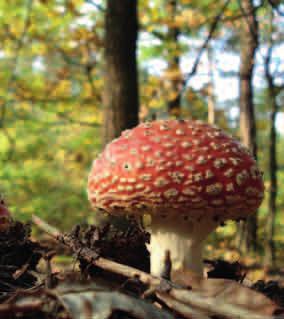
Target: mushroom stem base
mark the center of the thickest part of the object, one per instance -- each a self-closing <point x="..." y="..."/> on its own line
<point x="179" y="241"/>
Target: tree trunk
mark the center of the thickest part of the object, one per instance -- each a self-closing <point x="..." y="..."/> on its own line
<point x="249" y="44"/>
<point x="121" y="101"/>
<point x="211" y="96"/>
<point x="270" y="251"/>
<point x="121" y="97"/>
<point x="270" y="257"/>
<point x="175" y="75"/>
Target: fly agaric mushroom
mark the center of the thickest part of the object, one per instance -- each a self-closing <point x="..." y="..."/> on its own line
<point x="5" y="216"/>
<point x="189" y="176"/>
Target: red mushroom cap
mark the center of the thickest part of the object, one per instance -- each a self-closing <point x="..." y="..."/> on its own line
<point x="5" y="216"/>
<point x="4" y="210"/>
<point x="176" y="167"/>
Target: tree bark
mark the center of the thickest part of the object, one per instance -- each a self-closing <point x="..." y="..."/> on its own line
<point x="211" y="97"/>
<point x="249" y="44"/>
<point x="270" y="257"/>
<point x="270" y="251"/>
<point x="121" y="98"/>
<point x="174" y="102"/>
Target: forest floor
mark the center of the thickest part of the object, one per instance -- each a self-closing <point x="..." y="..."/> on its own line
<point x="81" y="275"/>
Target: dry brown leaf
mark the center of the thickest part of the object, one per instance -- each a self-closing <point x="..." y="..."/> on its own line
<point x="102" y="304"/>
<point x="229" y="291"/>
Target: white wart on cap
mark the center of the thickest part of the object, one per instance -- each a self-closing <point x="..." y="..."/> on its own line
<point x="188" y="175"/>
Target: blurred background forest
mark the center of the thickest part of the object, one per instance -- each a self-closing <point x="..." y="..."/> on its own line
<point x="74" y="73"/>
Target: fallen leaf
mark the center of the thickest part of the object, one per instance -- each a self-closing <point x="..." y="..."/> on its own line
<point x="227" y="291"/>
<point x="102" y="304"/>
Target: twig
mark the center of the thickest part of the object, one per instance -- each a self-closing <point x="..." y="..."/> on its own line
<point x="276" y="7"/>
<point x="212" y="29"/>
<point x="91" y="257"/>
<point x="174" y="294"/>
<point x="129" y="272"/>
<point x="52" y="231"/>
<point x="161" y="36"/>
<point x="14" y="308"/>
<point x="96" y="5"/>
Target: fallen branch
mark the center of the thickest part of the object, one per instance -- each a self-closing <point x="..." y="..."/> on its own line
<point x="176" y="297"/>
<point x="24" y="307"/>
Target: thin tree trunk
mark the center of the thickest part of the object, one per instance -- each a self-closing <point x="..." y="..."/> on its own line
<point x="174" y="102"/>
<point x="121" y="101"/>
<point x="249" y="44"/>
<point x="270" y="251"/>
<point x="211" y="97"/>
<point x="270" y="245"/>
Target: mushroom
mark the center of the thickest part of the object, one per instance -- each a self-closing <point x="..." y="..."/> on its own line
<point x="5" y="216"/>
<point x="187" y="175"/>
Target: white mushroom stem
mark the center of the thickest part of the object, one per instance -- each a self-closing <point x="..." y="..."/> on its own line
<point x="182" y="239"/>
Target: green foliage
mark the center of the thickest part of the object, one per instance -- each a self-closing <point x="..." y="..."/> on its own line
<point x="51" y="83"/>
<point x="46" y="172"/>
